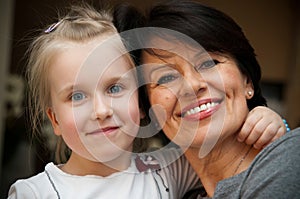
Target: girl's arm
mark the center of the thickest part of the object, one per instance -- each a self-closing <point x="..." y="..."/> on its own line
<point x="262" y="127"/>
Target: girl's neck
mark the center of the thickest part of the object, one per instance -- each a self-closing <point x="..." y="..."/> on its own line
<point x="226" y="159"/>
<point x="77" y="165"/>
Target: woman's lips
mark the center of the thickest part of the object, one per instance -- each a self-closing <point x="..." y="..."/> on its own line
<point x="201" y="110"/>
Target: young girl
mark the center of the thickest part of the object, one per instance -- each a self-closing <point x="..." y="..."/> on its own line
<point x="82" y="78"/>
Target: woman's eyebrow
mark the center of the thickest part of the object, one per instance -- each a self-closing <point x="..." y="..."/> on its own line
<point x="201" y="54"/>
<point x="160" y="66"/>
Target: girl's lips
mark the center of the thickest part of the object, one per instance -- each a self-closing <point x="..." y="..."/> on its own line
<point x="105" y="131"/>
<point x="202" y="109"/>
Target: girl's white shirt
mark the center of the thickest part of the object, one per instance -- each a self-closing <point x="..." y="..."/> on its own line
<point x="171" y="181"/>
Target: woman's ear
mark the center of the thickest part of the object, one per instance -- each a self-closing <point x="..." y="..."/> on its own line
<point x="249" y="90"/>
<point x="52" y="117"/>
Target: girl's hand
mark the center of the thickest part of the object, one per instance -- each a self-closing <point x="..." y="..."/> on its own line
<point x="262" y="126"/>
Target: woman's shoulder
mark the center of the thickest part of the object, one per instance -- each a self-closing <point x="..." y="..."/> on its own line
<point x="285" y="148"/>
<point x="276" y="170"/>
<point x="274" y="173"/>
<point x="290" y="141"/>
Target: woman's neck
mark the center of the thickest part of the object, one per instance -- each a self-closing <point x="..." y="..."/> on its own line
<point x="225" y="160"/>
<point x="78" y="165"/>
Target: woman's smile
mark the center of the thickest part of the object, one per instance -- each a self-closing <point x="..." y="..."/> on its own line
<point x="201" y="109"/>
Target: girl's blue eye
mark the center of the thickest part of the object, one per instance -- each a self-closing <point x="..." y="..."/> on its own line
<point x="115" y="89"/>
<point x="166" y="79"/>
<point x="77" y="96"/>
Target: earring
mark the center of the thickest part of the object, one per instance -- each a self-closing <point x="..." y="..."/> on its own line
<point x="249" y="93"/>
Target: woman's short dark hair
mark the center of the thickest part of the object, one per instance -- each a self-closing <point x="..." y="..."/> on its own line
<point x="215" y="32"/>
<point x="212" y="29"/>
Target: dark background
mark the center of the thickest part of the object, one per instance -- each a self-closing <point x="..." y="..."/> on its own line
<point x="273" y="28"/>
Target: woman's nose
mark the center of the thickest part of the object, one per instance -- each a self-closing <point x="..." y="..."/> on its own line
<point x="102" y="108"/>
<point x="193" y="83"/>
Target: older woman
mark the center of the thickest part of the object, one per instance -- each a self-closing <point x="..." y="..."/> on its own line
<point x="202" y="79"/>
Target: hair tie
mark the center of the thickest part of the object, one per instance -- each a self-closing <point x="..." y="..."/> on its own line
<point x="53" y="27"/>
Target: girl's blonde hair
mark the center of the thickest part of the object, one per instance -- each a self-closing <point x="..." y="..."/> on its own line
<point x="81" y="24"/>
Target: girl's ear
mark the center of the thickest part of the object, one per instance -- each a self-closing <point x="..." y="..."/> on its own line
<point x="53" y="120"/>
<point x="249" y="90"/>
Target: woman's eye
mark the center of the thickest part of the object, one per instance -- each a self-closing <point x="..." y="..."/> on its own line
<point x="208" y="64"/>
<point x="166" y="79"/>
<point x="115" y="89"/>
<point x="77" y="96"/>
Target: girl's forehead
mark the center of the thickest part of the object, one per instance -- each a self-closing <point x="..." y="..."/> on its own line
<point x="95" y="54"/>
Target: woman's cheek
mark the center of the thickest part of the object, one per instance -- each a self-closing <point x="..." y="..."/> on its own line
<point x="163" y="103"/>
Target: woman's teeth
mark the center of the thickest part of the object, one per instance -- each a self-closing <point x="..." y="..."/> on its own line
<point x="200" y="108"/>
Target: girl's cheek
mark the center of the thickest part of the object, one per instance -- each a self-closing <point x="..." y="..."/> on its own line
<point x="74" y="124"/>
<point x="133" y="109"/>
<point x="80" y="117"/>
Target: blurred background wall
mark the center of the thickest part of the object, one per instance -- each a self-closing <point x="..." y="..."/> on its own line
<point x="273" y="28"/>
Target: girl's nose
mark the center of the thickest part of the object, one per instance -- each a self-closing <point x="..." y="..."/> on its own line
<point x="102" y="108"/>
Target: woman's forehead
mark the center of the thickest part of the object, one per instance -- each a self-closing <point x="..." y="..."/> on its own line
<point x="164" y="56"/>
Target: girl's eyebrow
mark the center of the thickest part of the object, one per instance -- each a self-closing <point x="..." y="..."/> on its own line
<point x="117" y="78"/>
<point x="120" y="78"/>
<point x="67" y="89"/>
